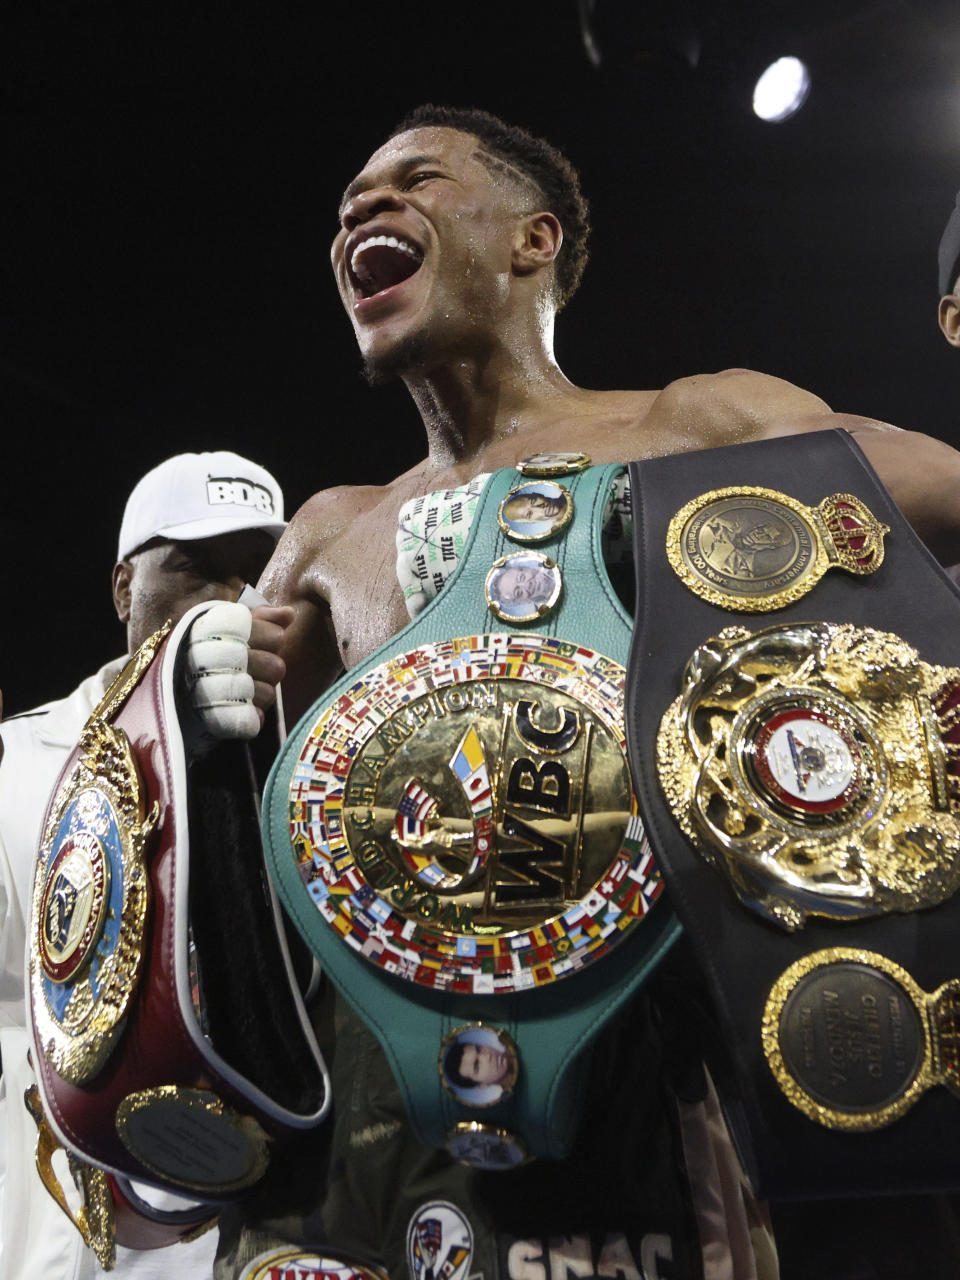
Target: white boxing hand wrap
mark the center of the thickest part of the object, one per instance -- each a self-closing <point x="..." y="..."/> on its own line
<point x="215" y="664"/>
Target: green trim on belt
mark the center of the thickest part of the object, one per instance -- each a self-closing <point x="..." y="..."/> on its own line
<point x="553" y="1026"/>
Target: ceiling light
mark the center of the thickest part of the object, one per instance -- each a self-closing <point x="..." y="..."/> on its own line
<point x="782" y="90"/>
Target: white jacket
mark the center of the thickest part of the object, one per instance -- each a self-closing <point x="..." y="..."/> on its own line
<point x="36" y="1239"/>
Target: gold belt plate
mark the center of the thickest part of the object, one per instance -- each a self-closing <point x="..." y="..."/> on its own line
<point x="816" y="765"/>
<point x="463" y="815"/>
<point x="91" y="891"/>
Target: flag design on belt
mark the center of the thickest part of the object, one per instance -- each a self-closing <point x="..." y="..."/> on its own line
<point x="416" y="807"/>
<point x="469" y="764"/>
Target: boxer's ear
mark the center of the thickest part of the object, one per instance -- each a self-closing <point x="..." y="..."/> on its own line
<point x="122" y="574"/>
<point x="538" y="240"/>
<point x="950" y="318"/>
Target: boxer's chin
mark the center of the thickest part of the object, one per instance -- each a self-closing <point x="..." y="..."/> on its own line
<point x="403" y="357"/>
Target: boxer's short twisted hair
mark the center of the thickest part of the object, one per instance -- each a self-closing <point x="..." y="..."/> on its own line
<point x="541" y="164"/>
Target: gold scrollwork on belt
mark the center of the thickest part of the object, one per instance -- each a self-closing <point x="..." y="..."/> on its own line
<point x="815" y="765"/>
<point x="95" y="1218"/>
<point x="129" y="677"/>
<point x="90" y="893"/>
<point x="755" y="550"/>
<point x="853" y="1040"/>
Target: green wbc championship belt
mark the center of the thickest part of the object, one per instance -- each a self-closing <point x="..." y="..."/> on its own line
<point x="453" y="829"/>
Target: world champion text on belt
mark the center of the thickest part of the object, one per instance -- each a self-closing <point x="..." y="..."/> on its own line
<point x="753" y="549"/>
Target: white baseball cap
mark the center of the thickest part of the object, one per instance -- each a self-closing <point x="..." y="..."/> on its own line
<point x="199" y="495"/>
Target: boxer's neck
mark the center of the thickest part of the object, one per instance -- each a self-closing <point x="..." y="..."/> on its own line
<point x="476" y="398"/>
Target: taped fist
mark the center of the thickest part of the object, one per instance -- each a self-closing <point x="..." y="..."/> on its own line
<point x="232" y="667"/>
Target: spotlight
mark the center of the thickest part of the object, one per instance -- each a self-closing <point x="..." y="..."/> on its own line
<point x="782" y="90"/>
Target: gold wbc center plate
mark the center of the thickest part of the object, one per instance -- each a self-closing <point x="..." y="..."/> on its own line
<point x="814" y="765"/>
<point x="754" y="549"/>
<point x="463" y="817"/>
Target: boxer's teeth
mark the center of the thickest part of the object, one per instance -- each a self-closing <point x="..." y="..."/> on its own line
<point x="381" y="261"/>
<point x="387" y="242"/>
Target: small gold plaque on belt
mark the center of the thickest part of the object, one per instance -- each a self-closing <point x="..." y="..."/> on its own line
<point x="853" y="1040"/>
<point x="755" y="550"/>
<point x="523" y="587"/>
<point x="192" y="1138"/>
<point x="535" y="510"/>
<point x="546" y="465"/>
<point x="816" y="765"/>
<point x="485" y="1146"/>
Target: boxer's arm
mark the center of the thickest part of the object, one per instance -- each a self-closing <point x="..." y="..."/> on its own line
<point x="922" y="474"/>
<point x="923" y="477"/>
<point x="296" y="578"/>
<point x="310" y="656"/>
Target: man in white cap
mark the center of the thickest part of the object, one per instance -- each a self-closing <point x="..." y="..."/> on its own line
<point x="197" y="527"/>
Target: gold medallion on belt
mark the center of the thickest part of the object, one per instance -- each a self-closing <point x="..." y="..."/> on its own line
<point x="853" y="1040"/>
<point x="754" y="550"/>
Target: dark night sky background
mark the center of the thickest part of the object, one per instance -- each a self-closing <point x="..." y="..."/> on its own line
<point x="170" y="179"/>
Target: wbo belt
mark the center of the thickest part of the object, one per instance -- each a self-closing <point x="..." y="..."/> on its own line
<point x="149" y="1069"/>
<point x="453" y="830"/>
<point x="794" y="741"/>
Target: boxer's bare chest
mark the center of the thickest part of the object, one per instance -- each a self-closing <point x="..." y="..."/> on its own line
<point x="358" y="576"/>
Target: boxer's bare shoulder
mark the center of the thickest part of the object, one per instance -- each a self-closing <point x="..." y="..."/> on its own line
<point x="736" y="405"/>
<point x="700" y="412"/>
<point x="921" y="473"/>
<point x="336" y="565"/>
<point x="733" y="406"/>
<point x="310" y="547"/>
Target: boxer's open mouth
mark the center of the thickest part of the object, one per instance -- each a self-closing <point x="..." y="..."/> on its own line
<point x="380" y="262"/>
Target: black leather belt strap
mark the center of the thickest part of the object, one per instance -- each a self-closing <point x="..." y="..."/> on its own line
<point x="787" y="1154"/>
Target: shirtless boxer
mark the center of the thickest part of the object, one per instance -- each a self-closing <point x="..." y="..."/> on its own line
<point x="460" y="240"/>
<point x="463" y="311"/>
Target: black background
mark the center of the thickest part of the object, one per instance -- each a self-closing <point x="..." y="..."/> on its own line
<point x="171" y="174"/>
